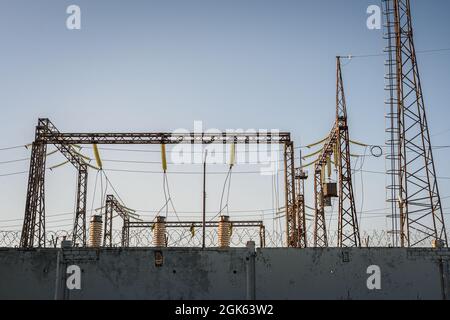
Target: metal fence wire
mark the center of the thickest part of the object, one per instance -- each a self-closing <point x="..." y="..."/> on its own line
<point x="184" y="237"/>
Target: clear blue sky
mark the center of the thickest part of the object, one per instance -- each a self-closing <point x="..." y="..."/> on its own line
<point x="160" y="65"/>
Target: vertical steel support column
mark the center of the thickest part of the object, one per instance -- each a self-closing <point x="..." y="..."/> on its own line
<point x="79" y="228"/>
<point x="107" y="235"/>
<point x="300" y="208"/>
<point x="126" y="233"/>
<point x="392" y="120"/>
<point x="289" y="174"/>
<point x="33" y="230"/>
<point x="320" y="229"/>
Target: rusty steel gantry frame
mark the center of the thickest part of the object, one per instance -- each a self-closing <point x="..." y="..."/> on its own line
<point x="46" y="133"/>
<point x="33" y="230"/>
<point x="338" y="142"/>
<point x="113" y="206"/>
<point x="199" y="224"/>
<point x="413" y="187"/>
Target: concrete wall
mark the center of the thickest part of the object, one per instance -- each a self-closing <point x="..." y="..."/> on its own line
<point x="237" y="273"/>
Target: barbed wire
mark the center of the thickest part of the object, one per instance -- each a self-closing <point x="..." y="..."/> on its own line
<point x="183" y="237"/>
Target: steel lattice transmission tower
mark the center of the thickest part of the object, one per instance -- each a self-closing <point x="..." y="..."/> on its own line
<point x="338" y="144"/>
<point x="413" y="185"/>
<point x="348" y="229"/>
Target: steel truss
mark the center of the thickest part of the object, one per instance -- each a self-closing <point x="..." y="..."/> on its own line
<point x="79" y="227"/>
<point x="113" y="206"/>
<point x="337" y="143"/>
<point x="300" y="177"/>
<point x="289" y="175"/>
<point x="320" y="226"/>
<point x="33" y="231"/>
<point x="348" y="228"/>
<point x="413" y="187"/>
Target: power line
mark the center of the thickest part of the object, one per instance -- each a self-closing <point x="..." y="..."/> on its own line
<point x="195" y="172"/>
<point x="47" y="222"/>
<point x="13" y="161"/>
<point x="13" y="173"/>
<point x="157" y="151"/>
<point x="262" y="212"/>
<point x="182" y="172"/>
<point x="384" y="54"/>
<point x="13" y="147"/>
<point x="48" y="216"/>
<point x="439" y="147"/>
<point x="174" y="163"/>
<point x="109" y="182"/>
<point x="382" y="172"/>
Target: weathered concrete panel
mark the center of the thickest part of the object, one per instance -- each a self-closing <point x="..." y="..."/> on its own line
<point x="125" y="274"/>
<point x="192" y="273"/>
<point x="27" y="274"/>
<point x="342" y="273"/>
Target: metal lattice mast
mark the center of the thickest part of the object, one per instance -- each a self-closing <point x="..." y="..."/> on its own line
<point x="348" y="229"/>
<point x="418" y="194"/>
<point x="108" y="227"/>
<point x="392" y="123"/>
<point x="300" y="177"/>
<point x="79" y="229"/>
<point x="125" y="234"/>
<point x="289" y="174"/>
<point x="320" y="228"/>
<point x="33" y="230"/>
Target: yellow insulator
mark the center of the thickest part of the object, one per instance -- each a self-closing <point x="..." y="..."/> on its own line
<point x="192" y="229"/>
<point x="232" y="155"/>
<point x="322" y="173"/>
<point x="163" y="157"/>
<point x="97" y="157"/>
<point x="224" y="232"/>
